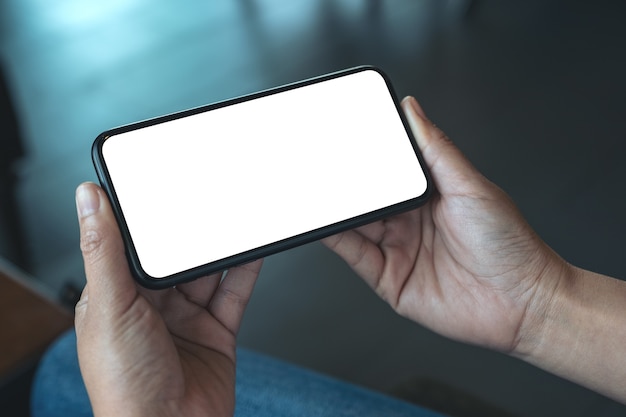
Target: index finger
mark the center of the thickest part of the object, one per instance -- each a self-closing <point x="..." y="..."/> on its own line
<point x="360" y="253"/>
<point x="231" y="297"/>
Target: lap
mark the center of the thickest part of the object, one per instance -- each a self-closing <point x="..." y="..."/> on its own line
<point x="265" y="387"/>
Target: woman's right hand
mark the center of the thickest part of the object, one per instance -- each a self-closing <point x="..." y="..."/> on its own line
<point x="466" y="264"/>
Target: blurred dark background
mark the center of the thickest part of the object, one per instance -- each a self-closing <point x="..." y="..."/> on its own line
<point x="533" y="92"/>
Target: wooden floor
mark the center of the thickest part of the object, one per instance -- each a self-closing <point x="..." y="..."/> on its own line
<point x="533" y="92"/>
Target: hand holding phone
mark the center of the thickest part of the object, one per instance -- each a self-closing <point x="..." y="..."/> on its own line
<point x="209" y="188"/>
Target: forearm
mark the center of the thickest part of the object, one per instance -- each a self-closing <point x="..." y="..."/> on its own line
<point x="582" y="336"/>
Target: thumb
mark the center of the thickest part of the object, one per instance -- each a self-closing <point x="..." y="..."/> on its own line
<point x="450" y="168"/>
<point x="110" y="283"/>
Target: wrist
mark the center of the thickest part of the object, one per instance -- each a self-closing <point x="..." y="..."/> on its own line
<point x="544" y="306"/>
<point x="575" y="329"/>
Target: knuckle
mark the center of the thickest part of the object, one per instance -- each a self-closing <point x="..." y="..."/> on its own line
<point x="441" y="136"/>
<point x="91" y="242"/>
<point x="233" y="298"/>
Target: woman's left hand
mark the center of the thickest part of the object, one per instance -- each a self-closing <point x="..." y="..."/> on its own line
<point x="153" y="353"/>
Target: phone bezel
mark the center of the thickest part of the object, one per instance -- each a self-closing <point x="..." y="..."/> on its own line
<point x="188" y="275"/>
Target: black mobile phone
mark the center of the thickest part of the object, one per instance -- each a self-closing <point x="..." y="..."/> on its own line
<point x="209" y="188"/>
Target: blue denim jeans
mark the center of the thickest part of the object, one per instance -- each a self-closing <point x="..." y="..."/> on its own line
<point x="265" y="387"/>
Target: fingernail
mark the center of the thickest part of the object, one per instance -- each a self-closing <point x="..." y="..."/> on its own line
<point x="416" y="106"/>
<point x="87" y="200"/>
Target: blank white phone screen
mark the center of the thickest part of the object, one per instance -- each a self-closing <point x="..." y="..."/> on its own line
<point x="204" y="187"/>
